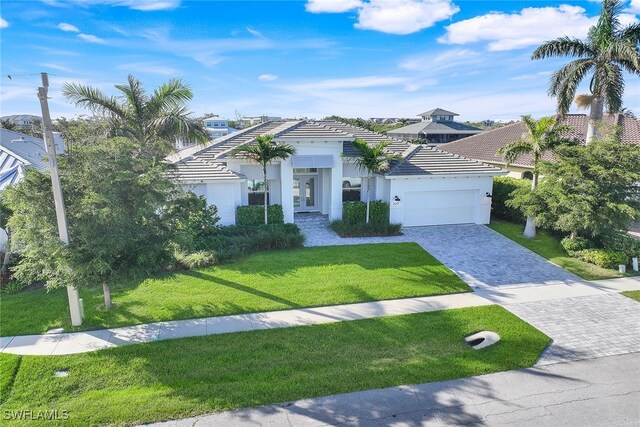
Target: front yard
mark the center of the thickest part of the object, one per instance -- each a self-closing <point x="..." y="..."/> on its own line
<point x="180" y="378"/>
<point x="548" y="246"/>
<point x="276" y="280"/>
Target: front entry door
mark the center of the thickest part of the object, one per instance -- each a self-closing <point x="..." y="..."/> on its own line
<point x="304" y="193"/>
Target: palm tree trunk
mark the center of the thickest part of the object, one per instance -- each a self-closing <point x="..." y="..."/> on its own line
<point x="7" y="253"/>
<point x="368" y="197"/>
<point x="595" y="115"/>
<point x="106" y="290"/>
<point x="266" y="209"/>
<point x="530" y="226"/>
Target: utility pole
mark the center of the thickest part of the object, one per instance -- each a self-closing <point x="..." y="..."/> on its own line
<point x="72" y="292"/>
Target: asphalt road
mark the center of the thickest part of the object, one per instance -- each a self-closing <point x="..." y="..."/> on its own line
<point x="595" y="392"/>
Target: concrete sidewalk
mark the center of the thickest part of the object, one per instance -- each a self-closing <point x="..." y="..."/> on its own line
<point x="82" y="342"/>
<point x="596" y="392"/>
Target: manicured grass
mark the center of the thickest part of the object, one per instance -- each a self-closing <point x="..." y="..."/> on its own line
<point x="9" y="364"/>
<point x="268" y="281"/>
<point x="632" y="294"/>
<point x="548" y="246"/>
<point x="186" y="377"/>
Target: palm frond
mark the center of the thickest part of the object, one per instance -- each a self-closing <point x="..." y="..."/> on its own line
<point x="630" y="34"/>
<point x="135" y="95"/>
<point x="93" y="99"/>
<point x="170" y="95"/>
<point x="513" y="150"/>
<point x="565" y="81"/>
<point x="372" y="158"/>
<point x="612" y="86"/>
<point x="264" y="150"/>
<point x="563" y="46"/>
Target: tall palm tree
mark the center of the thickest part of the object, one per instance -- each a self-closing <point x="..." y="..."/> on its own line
<point x="373" y="159"/>
<point x="607" y="51"/>
<point x="540" y="136"/>
<point x="157" y="121"/>
<point x="264" y="151"/>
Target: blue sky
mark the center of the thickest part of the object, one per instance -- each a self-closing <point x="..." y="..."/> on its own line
<point x="356" y="58"/>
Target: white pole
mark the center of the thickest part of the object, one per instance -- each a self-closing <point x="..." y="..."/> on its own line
<point x="72" y="291"/>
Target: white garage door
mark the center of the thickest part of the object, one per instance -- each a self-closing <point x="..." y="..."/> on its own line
<point x="440" y="207"/>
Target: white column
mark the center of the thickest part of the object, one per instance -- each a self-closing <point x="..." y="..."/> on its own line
<point x="286" y="189"/>
<point x="336" y="189"/>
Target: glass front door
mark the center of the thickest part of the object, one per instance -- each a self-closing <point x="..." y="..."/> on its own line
<point x="304" y="193"/>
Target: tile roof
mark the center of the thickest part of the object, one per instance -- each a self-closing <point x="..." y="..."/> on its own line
<point x="484" y="146"/>
<point x="435" y="128"/>
<point x="438" y="112"/>
<point x="209" y="162"/>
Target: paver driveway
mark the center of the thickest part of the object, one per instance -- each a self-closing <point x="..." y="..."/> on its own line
<point x="479" y="255"/>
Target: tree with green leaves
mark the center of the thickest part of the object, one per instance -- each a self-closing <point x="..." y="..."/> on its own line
<point x="373" y="159"/>
<point x="116" y="204"/>
<point x="157" y="121"/>
<point x="264" y="151"/>
<point x="541" y="136"/>
<point x="608" y="50"/>
<point x="590" y="190"/>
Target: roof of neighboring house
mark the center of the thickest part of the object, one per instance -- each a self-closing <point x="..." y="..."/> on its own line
<point x="435" y="128"/>
<point x="438" y="112"/>
<point x="208" y="162"/>
<point x="484" y="146"/>
<point x="27" y="149"/>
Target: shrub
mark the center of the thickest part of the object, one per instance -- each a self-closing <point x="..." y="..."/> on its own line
<point x="344" y="229"/>
<point x="356" y="212"/>
<point x="621" y="242"/>
<point x="502" y="188"/>
<point x="254" y="215"/>
<point x="237" y="240"/>
<point x="603" y="257"/>
<point x="198" y="259"/>
<point x="573" y="245"/>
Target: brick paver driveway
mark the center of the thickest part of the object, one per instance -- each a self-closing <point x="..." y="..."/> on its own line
<point x="479" y="255"/>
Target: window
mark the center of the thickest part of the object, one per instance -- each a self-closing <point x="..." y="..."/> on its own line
<point x="527" y="175"/>
<point x="255" y="189"/>
<point x="305" y="170"/>
<point x="351" y="188"/>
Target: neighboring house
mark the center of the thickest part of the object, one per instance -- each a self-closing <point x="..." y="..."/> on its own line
<point x="252" y="121"/>
<point x="217" y="127"/>
<point x="436" y="127"/>
<point x="426" y="187"/>
<point x="484" y="147"/>
<point x="24" y="121"/>
<point x="393" y="120"/>
<point x="19" y="152"/>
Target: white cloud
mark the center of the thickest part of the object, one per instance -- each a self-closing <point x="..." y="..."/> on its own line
<point x="453" y="58"/>
<point x="331" y="6"/>
<point x="149" y="68"/>
<point x="267" y="77"/>
<point x="91" y="38"/>
<point x="3" y="23"/>
<point x="254" y="32"/>
<point x="403" y="16"/>
<point x="634" y="7"/>
<point x="143" y="5"/>
<point x="390" y="16"/>
<point x="68" y="27"/>
<point x="530" y="26"/>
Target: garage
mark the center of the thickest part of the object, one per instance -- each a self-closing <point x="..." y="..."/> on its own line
<point x="440" y="207"/>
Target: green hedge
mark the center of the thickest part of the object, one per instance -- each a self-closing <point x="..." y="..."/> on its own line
<point x="356" y="212"/>
<point x="254" y="215"/>
<point x="603" y="257"/>
<point x="344" y="229"/>
<point x="502" y="188"/>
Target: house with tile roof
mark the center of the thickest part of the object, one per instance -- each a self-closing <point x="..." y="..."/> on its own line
<point x="436" y="127"/>
<point x="484" y="147"/>
<point x="426" y="186"/>
<point x="19" y="152"/>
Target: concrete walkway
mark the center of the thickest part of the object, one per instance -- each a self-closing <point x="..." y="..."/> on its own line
<point x="597" y="392"/>
<point x="82" y="342"/>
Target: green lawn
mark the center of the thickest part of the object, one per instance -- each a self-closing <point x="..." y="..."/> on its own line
<point x="185" y="377"/>
<point x="632" y="294"/>
<point x="276" y="280"/>
<point x="548" y="246"/>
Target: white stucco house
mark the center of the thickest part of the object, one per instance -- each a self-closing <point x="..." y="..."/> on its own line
<point x="426" y="187"/>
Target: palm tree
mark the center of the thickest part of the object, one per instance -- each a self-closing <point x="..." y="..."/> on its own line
<point x="264" y="151"/>
<point x="156" y="121"/>
<point x="540" y="136"/>
<point x="6" y="124"/>
<point x="372" y="159"/>
<point x="607" y="51"/>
